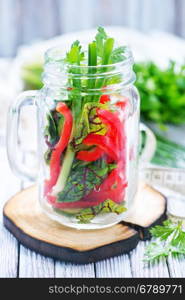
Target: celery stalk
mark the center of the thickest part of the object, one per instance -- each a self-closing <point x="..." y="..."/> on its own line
<point x="64" y="173"/>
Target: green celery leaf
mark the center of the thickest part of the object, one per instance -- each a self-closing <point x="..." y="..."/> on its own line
<point x="118" y="54"/>
<point x="163" y="231"/>
<point x="170" y="240"/>
<point x="101" y="36"/>
<point x="75" y="55"/>
<point x="155" y="250"/>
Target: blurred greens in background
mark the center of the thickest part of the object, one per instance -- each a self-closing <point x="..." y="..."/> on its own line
<point x="162" y="94"/>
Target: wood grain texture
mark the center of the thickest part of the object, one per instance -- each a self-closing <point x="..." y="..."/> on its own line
<point x="176" y="266"/>
<point x="24" y="210"/>
<point x="35" y="230"/>
<point x="116" y="267"/>
<point x="25" y="219"/>
<point x="147" y="207"/>
<point x="34" y="265"/>
<point x="68" y="270"/>
<point x="146" y="270"/>
<point x="8" y="244"/>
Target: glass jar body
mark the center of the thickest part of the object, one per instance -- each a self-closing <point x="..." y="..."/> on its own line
<point x="88" y="154"/>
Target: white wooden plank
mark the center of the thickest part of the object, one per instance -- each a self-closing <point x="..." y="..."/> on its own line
<point x="33" y="265"/>
<point x="116" y="267"/>
<point x="8" y="244"/>
<point x="133" y="13"/>
<point x="176" y="266"/>
<point x="179" y="17"/>
<point x="68" y="270"/>
<point x="38" y="20"/>
<point x="76" y="15"/>
<point x="8" y="254"/>
<point x="24" y="21"/>
<point x="8" y="27"/>
<point x="142" y="269"/>
<point x="157" y="14"/>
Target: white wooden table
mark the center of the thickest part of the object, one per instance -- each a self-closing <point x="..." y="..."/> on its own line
<point x="17" y="261"/>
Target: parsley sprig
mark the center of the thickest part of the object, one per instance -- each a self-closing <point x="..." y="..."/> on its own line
<point x="170" y="239"/>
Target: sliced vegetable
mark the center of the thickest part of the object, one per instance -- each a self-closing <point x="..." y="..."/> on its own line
<point x="55" y="160"/>
<point x="90" y="155"/>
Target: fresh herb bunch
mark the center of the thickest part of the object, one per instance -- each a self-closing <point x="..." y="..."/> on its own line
<point x="162" y="92"/>
<point x="170" y="239"/>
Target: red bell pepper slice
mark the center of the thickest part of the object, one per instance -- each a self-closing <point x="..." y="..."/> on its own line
<point x="121" y="104"/>
<point x="90" y="155"/>
<point x="60" y="146"/>
<point x="103" y="142"/>
<point x="115" y="132"/>
<point x="104" y="99"/>
<point x="114" y="124"/>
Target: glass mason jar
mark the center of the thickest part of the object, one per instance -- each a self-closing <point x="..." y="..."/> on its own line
<point x="88" y="133"/>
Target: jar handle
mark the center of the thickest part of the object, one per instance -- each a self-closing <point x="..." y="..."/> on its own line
<point x="150" y="145"/>
<point x="13" y="148"/>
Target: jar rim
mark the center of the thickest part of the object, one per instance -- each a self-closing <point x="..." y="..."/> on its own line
<point x="55" y="56"/>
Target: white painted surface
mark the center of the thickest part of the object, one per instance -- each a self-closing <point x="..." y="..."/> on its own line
<point x="34" y="265"/>
<point x="24" y="21"/>
<point x="68" y="270"/>
<point x="8" y="244"/>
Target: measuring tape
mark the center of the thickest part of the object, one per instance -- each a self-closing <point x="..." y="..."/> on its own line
<point x="171" y="183"/>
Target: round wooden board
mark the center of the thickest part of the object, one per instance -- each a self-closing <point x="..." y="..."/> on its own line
<point x="25" y="220"/>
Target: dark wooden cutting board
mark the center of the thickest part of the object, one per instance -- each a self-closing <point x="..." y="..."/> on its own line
<point x="25" y="220"/>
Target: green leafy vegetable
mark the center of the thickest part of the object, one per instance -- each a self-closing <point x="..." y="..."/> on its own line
<point x="100" y="38"/>
<point x="31" y="75"/>
<point x="170" y="239"/>
<point x="118" y="54"/>
<point x="162" y="92"/>
<point x="89" y="123"/>
<point x="51" y="131"/>
<point x="108" y="206"/>
<point x="82" y="179"/>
